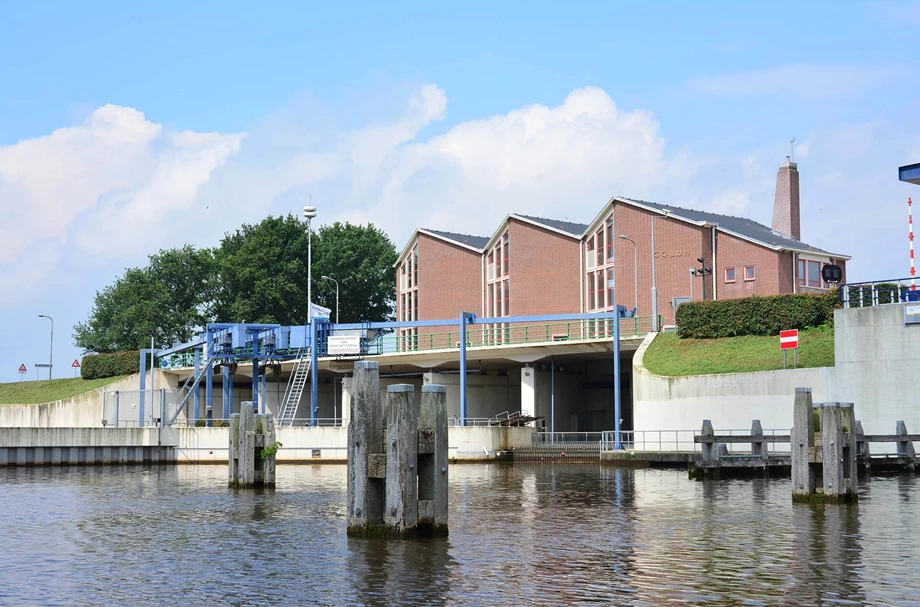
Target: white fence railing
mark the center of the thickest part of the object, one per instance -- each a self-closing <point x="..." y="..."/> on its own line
<point x="685" y="440"/>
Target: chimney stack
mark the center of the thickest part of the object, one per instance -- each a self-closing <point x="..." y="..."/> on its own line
<point x="786" y="215"/>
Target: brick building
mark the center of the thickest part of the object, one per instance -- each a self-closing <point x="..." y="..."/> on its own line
<point x="532" y="265"/>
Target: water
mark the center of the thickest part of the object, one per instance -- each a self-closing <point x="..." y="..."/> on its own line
<point x="520" y="535"/>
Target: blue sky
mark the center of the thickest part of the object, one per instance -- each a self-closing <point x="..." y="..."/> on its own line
<point x="127" y="127"/>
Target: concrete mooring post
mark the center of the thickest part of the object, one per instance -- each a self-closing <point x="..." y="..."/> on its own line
<point x="252" y="450"/>
<point x="397" y="470"/>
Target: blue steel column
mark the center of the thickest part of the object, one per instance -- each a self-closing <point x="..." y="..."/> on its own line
<point x="552" y="397"/>
<point x="226" y="391"/>
<point x="463" y="318"/>
<point x="195" y="395"/>
<point x="255" y="385"/>
<point x="616" y="378"/>
<point x="143" y="370"/>
<point x="209" y="379"/>
<point x="262" y="401"/>
<point x="314" y="385"/>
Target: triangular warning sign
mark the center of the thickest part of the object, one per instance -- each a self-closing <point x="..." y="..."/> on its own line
<point x="76" y="364"/>
<point x="22" y="368"/>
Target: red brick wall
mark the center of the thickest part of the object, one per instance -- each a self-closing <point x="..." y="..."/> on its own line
<point x="449" y="279"/>
<point x="544" y="271"/>
<point x="677" y="244"/>
<point x="771" y="269"/>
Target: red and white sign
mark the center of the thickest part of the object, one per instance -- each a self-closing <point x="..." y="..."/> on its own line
<point x="789" y="340"/>
<point x="76" y="364"/>
<point x="22" y="368"/>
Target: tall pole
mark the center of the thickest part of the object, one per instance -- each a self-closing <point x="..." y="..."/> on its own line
<point x="51" y="351"/>
<point x="309" y="212"/>
<point x="635" y="267"/>
<point x="336" y="296"/>
<point x="654" y="284"/>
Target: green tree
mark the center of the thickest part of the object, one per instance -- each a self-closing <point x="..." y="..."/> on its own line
<point x="263" y="272"/>
<point x="170" y="299"/>
<point x="361" y="259"/>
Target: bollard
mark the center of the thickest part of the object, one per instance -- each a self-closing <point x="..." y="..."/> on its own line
<point x="905" y="445"/>
<point x="850" y="448"/>
<point x="432" y="461"/>
<point x="366" y="459"/>
<point x="803" y="441"/>
<point x="710" y="451"/>
<point x="251" y="459"/>
<point x="758" y="449"/>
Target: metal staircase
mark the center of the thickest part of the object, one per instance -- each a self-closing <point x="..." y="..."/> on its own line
<point x="295" y="389"/>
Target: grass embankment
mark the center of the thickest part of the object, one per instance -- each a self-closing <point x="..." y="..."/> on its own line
<point x="45" y="391"/>
<point x="672" y="356"/>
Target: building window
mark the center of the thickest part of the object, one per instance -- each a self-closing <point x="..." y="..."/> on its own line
<point x="408" y="301"/>
<point x="599" y="262"/>
<point x="748" y="272"/>
<point x="809" y="274"/>
<point x="729" y="274"/>
<point x="498" y="288"/>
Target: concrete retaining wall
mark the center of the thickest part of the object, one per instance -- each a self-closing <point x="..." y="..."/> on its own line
<point x="877" y="358"/>
<point x="42" y="446"/>
<point x="730" y="400"/>
<point x="81" y="411"/>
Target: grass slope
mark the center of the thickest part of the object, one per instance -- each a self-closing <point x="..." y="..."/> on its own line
<point x="671" y="356"/>
<point x="33" y="392"/>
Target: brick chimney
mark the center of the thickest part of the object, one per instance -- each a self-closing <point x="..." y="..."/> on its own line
<point x="786" y="216"/>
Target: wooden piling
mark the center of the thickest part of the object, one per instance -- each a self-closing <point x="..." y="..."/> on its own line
<point x="250" y="465"/>
<point x="366" y="456"/>
<point x="432" y="461"/>
<point x="401" y="512"/>
<point x="803" y="442"/>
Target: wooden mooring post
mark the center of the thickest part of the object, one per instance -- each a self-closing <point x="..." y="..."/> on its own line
<point x="823" y="450"/>
<point x="397" y="459"/>
<point x="252" y="449"/>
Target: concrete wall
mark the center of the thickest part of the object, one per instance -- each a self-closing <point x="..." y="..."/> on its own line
<point x="486" y="395"/>
<point x="877" y="358"/>
<point x="730" y="400"/>
<point x="38" y="446"/>
<point x="81" y="411"/>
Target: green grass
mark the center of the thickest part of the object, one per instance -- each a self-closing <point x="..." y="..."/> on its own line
<point x="33" y="392"/>
<point x="668" y="355"/>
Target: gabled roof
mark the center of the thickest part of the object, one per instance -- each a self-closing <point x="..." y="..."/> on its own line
<point x="738" y="226"/>
<point x="473" y="243"/>
<point x="570" y="227"/>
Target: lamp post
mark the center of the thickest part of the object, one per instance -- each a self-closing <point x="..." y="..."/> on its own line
<point x="655" y="326"/>
<point x="309" y="212"/>
<point x="336" y="296"/>
<point x="51" y="351"/>
<point x="635" y="267"/>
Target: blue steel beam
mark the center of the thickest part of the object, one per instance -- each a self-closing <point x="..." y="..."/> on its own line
<point x="910" y="173"/>
<point x="314" y="385"/>
<point x="195" y="395"/>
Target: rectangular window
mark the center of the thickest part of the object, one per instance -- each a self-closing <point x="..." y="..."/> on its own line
<point x="415" y="267"/>
<point x="599" y="238"/>
<point x="801" y="276"/>
<point x="814" y="274"/>
<point x="729" y="274"/>
<point x="506" y="256"/>
<point x="599" y="279"/>
<point x="748" y="272"/>
<point x="490" y="273"/>
<point x="592" y="305"/>
<point x="609" y="287"/>
<point x="506" y="298"/>
<point x="589" y="253"/>
<point x="610" y="240"/>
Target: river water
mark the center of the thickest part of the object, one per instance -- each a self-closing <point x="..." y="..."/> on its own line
<point x="520" y="535"/>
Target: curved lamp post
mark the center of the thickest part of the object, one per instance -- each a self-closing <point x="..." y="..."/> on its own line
<point x="51" y="352"/>
<point x="336" y="296"/>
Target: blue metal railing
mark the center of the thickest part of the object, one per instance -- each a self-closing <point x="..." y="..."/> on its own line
<point x="878" y="292"/>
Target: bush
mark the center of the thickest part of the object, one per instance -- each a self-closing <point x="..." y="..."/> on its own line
<point x="97" y="366"/>
<point x="755" y="315"/>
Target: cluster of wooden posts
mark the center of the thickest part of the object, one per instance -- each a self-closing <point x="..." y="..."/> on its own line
<point x="397" y="458"/>
<point x="827" y="447"/>
<point x="252" y="449"/>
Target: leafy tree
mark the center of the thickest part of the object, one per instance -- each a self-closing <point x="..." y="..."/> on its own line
<point x="169" y="300"/>
<point x="361" y="259"/>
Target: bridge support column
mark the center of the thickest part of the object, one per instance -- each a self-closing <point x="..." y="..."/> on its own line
<point x="528" y="391"/>
<point x="347" y="384"/>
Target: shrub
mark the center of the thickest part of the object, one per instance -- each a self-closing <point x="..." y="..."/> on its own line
<point x="755" y="315"/>
<point x="97" y="366"/>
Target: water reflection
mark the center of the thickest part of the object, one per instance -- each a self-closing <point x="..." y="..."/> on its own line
<point x="541" y="534"/>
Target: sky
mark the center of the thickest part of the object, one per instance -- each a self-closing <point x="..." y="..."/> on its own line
<point x="130" y="127"/>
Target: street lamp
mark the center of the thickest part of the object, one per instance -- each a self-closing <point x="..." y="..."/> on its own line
<point x="336" y="296"/>
<point x="635" y="267"/>
<point x="309" y="212"/>
<point x="51" y="352"/>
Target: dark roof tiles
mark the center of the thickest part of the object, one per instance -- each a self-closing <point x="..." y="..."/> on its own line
<point x="569" y="227"/>
<point x="476" y="242"/>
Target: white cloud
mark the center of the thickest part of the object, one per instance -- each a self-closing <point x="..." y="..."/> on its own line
<point x="799" y="81"/>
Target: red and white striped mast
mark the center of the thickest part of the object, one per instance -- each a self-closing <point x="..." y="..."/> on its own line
<point x="910" y="237"/>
